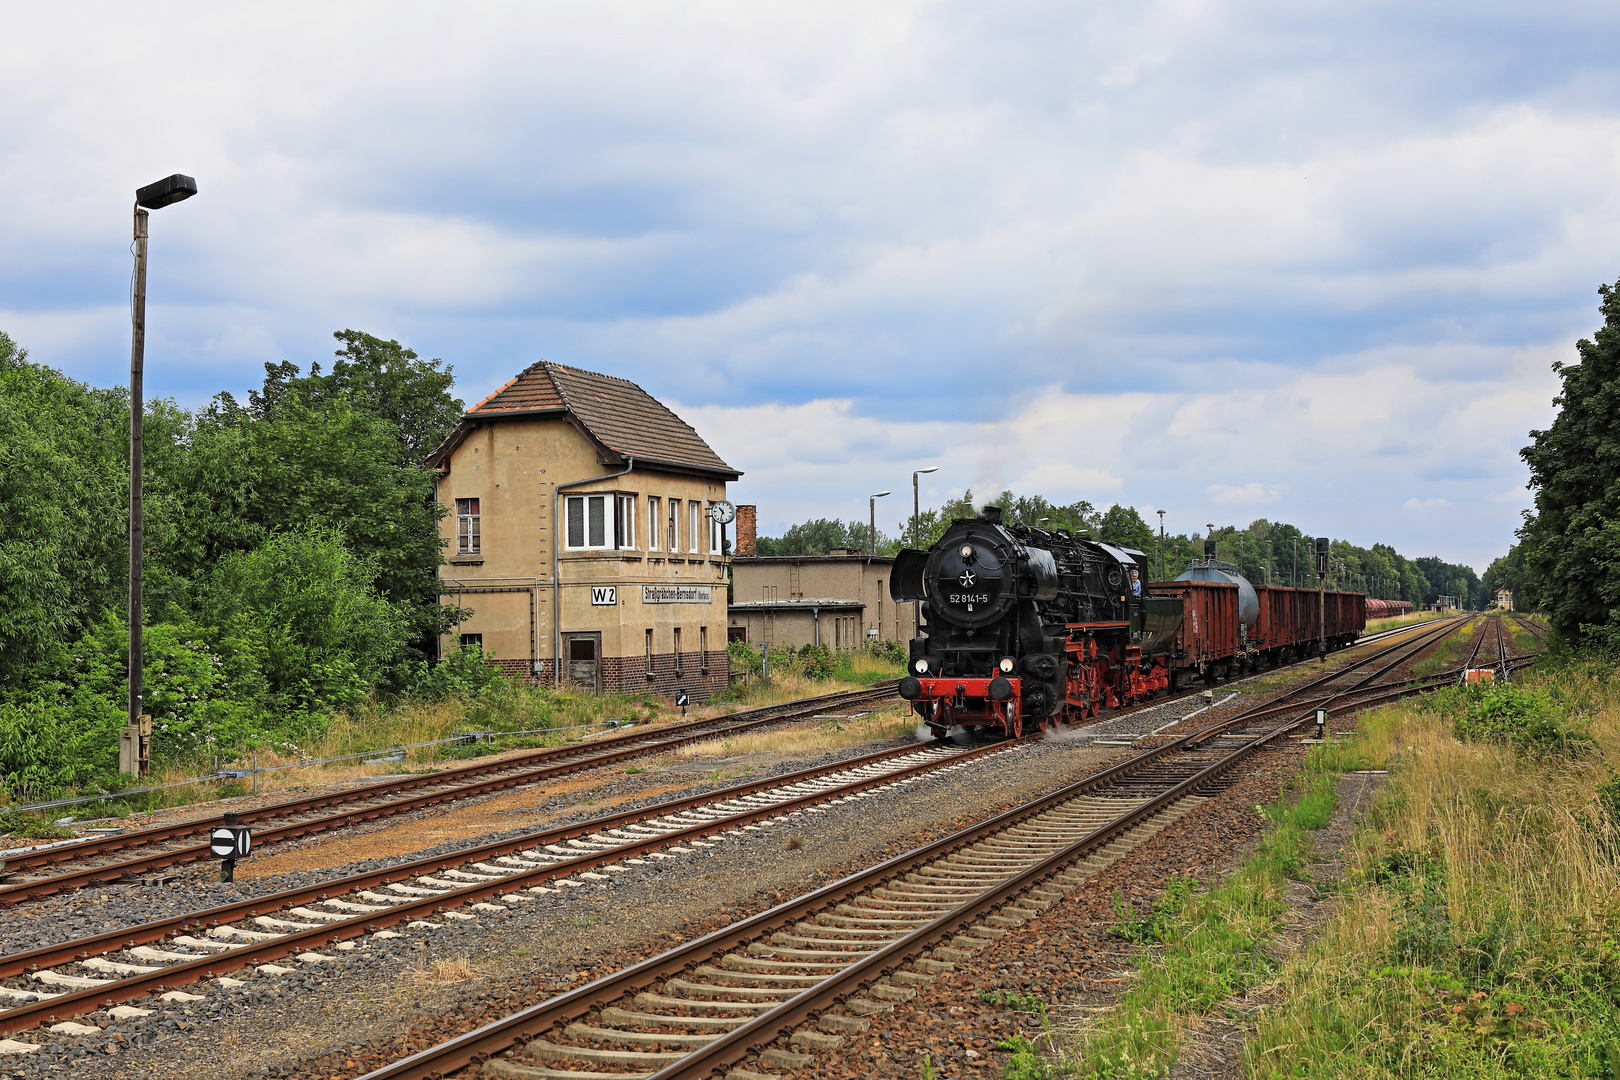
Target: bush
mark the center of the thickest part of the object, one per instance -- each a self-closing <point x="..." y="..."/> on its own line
<point x="890" y="652"/>
<point x="61" y="738"/>
<point x="1522" y="718"/>
<point x="462" y="674"/>
<point x="744" y="657"/>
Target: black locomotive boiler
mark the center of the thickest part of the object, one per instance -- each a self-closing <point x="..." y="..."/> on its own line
<point x="1023" y="627"/>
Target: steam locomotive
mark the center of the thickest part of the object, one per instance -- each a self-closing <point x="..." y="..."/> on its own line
<point x="1024" y="627"/>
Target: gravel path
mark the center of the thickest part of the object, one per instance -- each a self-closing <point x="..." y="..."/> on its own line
<point x="370" y="995"/>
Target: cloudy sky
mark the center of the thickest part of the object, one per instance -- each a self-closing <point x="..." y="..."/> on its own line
<point x="1298" y="260"/>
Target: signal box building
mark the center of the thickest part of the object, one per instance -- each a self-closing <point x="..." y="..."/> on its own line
<point x="580" y="535"/>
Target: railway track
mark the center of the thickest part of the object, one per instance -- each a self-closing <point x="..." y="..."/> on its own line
<point x="36" y="874"/>
<point x="767" y="994"/>
<point x="127" y="857"/>
<point x="88" y="973"/>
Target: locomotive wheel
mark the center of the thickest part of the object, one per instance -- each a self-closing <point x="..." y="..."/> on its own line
<point x="1016" y="723"/>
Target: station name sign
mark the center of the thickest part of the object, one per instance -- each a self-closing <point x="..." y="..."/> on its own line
<point x="677" y="594"/>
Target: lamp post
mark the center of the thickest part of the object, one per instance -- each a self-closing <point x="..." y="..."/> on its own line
<point x="1268" y="561"/>
<point x="916" y="512"/>
<point x="916" y="506"/>
<point x="169" y="190"/>
<point x="1161" y="545"/>
<point x="871" y="505"/>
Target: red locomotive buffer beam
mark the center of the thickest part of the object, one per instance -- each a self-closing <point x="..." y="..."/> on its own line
<point x="970" y="702"/>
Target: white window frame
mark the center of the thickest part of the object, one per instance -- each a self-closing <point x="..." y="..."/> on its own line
<point x="654" y="523"/>
<point x="672" y="531"/>
<point x="694" y="514"/>
<point x="469" y="540"/>
<point x="714" y="534"/>
<point x="584" y="501"/>
<point x="624" y="521"/>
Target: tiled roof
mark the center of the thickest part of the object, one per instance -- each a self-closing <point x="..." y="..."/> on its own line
<point x="619" y="415"/>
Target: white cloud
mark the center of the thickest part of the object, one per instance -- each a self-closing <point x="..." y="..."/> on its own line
<point x="1426" y="504"/>
<point x="1248" y="495"/>
<point x="1170" y="253"/>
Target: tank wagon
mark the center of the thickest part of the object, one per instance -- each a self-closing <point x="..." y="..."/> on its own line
<point x="1023" y="627"/>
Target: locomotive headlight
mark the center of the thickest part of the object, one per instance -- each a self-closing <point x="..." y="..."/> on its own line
<point x="967" y="553"/>
<point x="921" y="666"/>
<point x="1006" y="665"/>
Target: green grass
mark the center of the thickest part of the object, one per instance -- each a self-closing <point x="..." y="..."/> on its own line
<point x="1448" y="653"/>
<point x="1212" y="945"/>
<point x="1478" y="932"/>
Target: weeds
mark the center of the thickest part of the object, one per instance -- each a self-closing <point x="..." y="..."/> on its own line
<point x="1024" y="1002"/>
<point x="455" y="969"/>
<point x="1478" y="932"/>
<point x="1207" y="946"/>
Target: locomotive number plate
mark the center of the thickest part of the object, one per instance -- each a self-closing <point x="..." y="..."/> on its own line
<point x="970" y="598"/>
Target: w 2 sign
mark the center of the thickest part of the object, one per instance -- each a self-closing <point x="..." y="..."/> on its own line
<point x="604" y="595"/>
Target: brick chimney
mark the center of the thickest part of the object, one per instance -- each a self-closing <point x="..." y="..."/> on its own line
<point x="745" y="531"/>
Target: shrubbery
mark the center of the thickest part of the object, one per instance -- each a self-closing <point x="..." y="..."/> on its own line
<point x="1525" y="719"/>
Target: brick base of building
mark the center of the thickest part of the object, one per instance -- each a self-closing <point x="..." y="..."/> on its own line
<point x="700" y="674"/>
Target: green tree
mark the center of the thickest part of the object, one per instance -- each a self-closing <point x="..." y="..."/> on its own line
<point x="1122" y="525"/>
<point x="326" y="634"/>
<point x="1571" y="542"/>
<point x="63" y="490"/>
<point x="376" y="377"/>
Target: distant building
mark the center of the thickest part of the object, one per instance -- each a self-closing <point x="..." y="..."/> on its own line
<point x="840" y="599"/>
<point x="580" y="528"/>
<point x="1504" y="599"/>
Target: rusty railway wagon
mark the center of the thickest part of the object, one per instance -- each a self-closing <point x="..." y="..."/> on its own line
<point x="1024" y="627"/>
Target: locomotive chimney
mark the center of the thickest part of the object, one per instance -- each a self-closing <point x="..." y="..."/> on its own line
<point x="745" y="531"/>
<point x="991" y="514"/>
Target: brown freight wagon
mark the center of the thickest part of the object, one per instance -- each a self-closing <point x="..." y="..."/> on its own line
<point x="1206" y="642"/>
<point x="1292" y="618"/>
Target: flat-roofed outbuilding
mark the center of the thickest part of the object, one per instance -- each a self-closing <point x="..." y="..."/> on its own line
<point x="840" y="600"/>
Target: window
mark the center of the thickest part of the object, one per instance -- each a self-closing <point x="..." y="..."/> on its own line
<point x="624" y="521"/>
<point x="649" y="653"/>
<point x="467" y="527"/>
<point x="703" y="648"/>
<point x="652" y="524"/>
<point x="694" y="522"/>
<point x="677" y="650"/>
<point x="674" y="524"/>
<point x="472" y="641"/>
<point x="714" y="535"/>
<point x="587" y="521"/>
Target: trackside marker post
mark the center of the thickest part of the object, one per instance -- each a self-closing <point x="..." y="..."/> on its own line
<point x="229" y="842"/>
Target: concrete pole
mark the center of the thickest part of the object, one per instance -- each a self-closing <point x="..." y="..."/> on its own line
<point x="137" y="408"/>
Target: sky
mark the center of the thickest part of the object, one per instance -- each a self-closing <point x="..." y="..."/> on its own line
<point x="1296" y="260"/>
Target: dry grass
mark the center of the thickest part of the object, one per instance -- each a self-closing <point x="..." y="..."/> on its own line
<point x="829" y="734"/>
<point x="1375" y="625"/>
<point x="439" y="972"/>
<point x="1510" y="893"/>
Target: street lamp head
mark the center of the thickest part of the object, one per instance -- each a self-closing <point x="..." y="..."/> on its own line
<point x="931" y="468"/>
<point x="879" y="495"/>
<point x="171" y="189"/>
